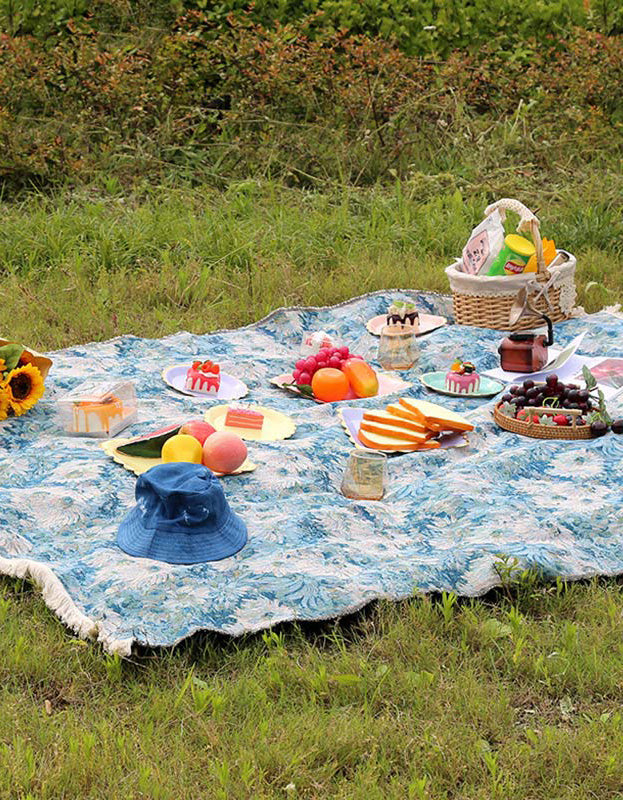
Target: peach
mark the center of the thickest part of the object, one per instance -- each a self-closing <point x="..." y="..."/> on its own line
<point x="224" y="452"/>
<point x="181" y="447"/>
<point x="199" y="429"/>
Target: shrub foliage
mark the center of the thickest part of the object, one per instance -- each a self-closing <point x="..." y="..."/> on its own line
<point x="216" y="101"/>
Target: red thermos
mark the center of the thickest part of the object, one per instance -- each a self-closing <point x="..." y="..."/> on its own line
<point x="526" y="352"/>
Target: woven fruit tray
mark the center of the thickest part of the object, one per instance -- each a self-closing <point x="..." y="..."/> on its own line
<point x="531" y="427"/>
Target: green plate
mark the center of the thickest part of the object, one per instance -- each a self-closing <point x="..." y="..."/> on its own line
<point x="437" y="382"/>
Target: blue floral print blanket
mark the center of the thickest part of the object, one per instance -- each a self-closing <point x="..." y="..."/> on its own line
<point x="312" y="554"/>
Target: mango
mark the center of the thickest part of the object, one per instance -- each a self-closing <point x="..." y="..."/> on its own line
<point x="362" y="378"/>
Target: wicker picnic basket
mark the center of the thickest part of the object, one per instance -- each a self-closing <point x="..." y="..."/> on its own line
<point x="537" y="431"/>
<point x="486" y="301"/>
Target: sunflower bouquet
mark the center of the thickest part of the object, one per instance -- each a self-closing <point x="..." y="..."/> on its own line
<point x="21" y="381"/>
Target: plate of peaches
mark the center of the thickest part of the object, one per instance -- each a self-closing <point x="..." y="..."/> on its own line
<point x="335" y="374"/>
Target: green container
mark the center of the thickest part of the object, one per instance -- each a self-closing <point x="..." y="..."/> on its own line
<point x="513" y="257"/>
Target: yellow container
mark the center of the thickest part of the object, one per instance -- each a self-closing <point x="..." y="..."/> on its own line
<point x="549" y="254"/>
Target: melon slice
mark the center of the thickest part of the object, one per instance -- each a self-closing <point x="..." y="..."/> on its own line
<point x="392" y="432"/>
<point x="434" y="416"/>
<point x="377" y="441"/>
<point x="387" y="418"/>
<point x="396" y="410"/>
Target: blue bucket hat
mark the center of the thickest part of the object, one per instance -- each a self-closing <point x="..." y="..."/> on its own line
<point x="181" y="517"/>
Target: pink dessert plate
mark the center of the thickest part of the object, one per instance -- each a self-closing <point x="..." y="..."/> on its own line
<point x="428" y="323"/>
<point x="388" y="384"/>
<point x="230" y="389"/>
<point x="351" y="420"/>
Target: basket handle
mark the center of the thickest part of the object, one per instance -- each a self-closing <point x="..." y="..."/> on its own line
<point x="528" y="223"/>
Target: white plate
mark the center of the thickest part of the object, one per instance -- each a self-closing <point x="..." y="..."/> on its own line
<point x="428" y="323"/>
<point x="230" y="389"/>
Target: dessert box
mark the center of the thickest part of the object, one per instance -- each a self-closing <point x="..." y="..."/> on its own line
<point x="98" y="410"/>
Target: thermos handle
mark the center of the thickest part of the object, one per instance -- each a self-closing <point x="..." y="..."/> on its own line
<point x="528" y="223"/>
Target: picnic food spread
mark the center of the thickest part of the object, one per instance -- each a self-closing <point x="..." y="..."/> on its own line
<point x="203" y="377"/>
<point x="328" y="372"/>
<point x="462" y="378"/>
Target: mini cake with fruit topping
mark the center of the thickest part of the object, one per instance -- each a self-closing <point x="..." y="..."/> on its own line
<point x="239" y="417"/>
<point x="462" y="378"/>
<point x="400" y="313"/>
<point x="204" y="377"/>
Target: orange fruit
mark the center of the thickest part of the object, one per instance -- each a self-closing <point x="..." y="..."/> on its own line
<point x="330" y="385"/>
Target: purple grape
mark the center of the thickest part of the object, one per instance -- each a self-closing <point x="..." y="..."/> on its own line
<point x="617" y="426"/>
<point x="552" y="379"/>
<point x="599" y="428"/>
<point x="528" y="384"/>
<point x="514" y="389"/>
<point x="508" y="398"/>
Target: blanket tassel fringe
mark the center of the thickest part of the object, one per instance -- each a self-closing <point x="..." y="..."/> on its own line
<point x="58" y="600"/>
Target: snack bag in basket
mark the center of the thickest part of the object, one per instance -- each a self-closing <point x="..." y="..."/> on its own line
<point x="485" y="242"/>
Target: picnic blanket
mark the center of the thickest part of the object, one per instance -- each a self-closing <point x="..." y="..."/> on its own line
<point x="312" y="554"/>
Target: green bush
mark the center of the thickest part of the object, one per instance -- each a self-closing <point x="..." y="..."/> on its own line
<point x="254" y="101"/>
<point x="418" y="27"/>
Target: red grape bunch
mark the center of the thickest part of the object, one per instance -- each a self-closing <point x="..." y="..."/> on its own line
<point x="305" y="368"/>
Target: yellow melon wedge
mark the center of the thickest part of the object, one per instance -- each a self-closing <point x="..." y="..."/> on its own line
<point x="386" y="418"/>
<point x="392" y="432"/>
<point x="434" y="416"/>
<point x="378" y="442"/>
<point x="396" y="410"/>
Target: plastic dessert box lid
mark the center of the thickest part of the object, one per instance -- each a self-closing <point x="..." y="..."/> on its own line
<point x="98" y="393"/>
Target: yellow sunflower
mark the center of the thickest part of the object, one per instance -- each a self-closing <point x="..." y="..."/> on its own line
<point x="4" y="403"/>
<point x="24" y="387"/>
<point x="2" y="365"/>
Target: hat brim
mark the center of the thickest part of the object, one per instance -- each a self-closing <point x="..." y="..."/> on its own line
<point x="180" y="547"/>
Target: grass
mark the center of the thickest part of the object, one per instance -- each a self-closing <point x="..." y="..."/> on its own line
<point x="95" y="263"/>
<point x="514" y="695"/>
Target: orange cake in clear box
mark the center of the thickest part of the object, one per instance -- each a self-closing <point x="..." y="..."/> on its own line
<point x="97" y="416"/>
<point x="98" y="409"/>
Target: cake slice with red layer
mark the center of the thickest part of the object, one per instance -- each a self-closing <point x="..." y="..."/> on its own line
<point x="244" y="418"/>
